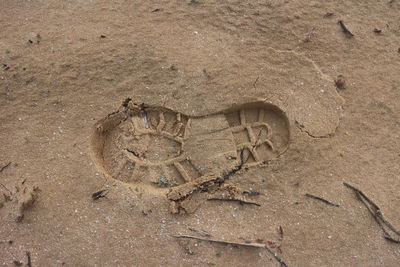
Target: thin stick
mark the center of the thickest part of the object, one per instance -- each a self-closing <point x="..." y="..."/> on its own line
<point x="387" y="228"/>
<point x="345" y="28"/>
<point x="235" y="200"/>
<point x="281" y="262"/>
<point x="255" y="245"/>
<point x="321" y="199"/>
<point x="5" y="166"/>
<point x="193" y="187"/>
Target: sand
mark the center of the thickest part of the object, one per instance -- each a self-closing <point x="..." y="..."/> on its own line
<point x="66" y="67"/>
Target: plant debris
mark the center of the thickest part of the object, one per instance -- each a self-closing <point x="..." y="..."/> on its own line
<point x="180" y="193"/>
<point x="245" y="244"/>
<point x="345" y="29"/>
<point x="389" y="232"/>
<point x="273" y="254"/>
<point x="321" y="199"/>
<point x="99" y="194"/>
<point x="242" y="202"/>
<point x="5" y="166"/>
<point x="254" y="83"/>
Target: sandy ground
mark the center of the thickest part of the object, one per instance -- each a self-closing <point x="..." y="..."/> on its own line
<point x="66" y="65"/>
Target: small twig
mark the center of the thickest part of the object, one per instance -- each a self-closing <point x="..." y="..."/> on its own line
<point x="375" y="211"/>
<point x="236" y="200"/>
<point x="345" y="28"/>
<point x="245" y="244"/>
<point x="323" y="200"/>
<point x="255" y="245"/>
<point x="254" y="84"/>
<point x="279" y="260"/>
<point x="5" y="166"/>
<point x="200" y="232"/>
<point x="99" y="194"/>
<point x="28" y="254"/>
<point x="193" y="187"/>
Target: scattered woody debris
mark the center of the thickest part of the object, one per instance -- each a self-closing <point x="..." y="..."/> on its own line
<point x="179" y="194"/>
<point x="244" y="244"/>
<point x="389" y="232"/>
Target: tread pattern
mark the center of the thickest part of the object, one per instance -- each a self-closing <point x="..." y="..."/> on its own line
<point x="163" y="148"/>
<point x="147" y="146"/>
<point x="260" y="130"/>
